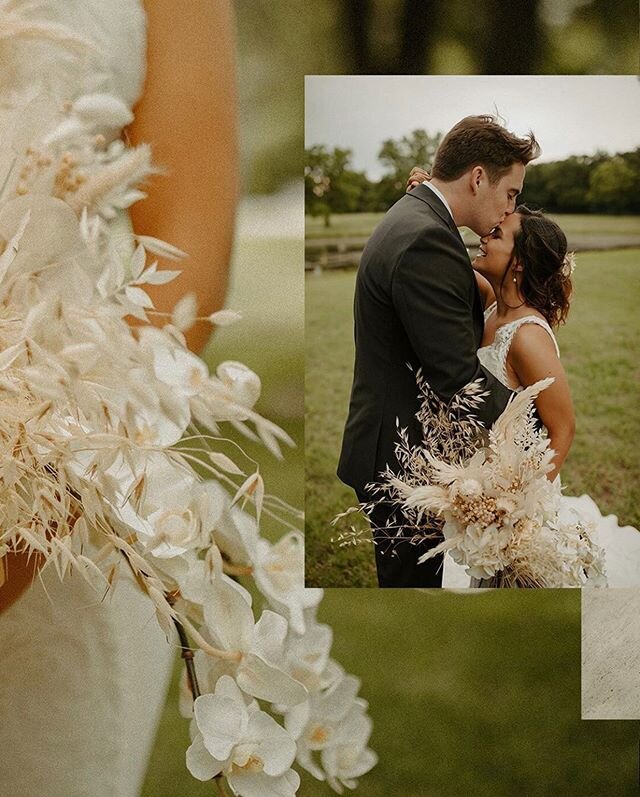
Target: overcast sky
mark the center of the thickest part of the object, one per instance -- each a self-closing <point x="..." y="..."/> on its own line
<point x="570" y="115"/>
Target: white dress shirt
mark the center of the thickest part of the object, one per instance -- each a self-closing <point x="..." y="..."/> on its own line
<point x="440" y="196"/>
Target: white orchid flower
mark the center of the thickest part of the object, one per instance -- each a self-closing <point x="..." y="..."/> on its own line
<point x="260" y="671"/>
<point x="333" y="720"/>
<point x="174" y="365"/>
<point x="314" y="723"/>
<point x="173" y="512"/>
<point x="279" y="573"/>
<point x="348" y="758"/>
<point x="241" y="381"/>
<point x="307" y="657"/>
<point x="243" y="743"/>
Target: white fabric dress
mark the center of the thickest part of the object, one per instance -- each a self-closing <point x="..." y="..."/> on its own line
<point x="83" y="677"/>
<point x="621" y="543"/>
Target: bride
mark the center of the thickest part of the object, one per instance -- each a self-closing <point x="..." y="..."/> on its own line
<point x="523" y="272"/>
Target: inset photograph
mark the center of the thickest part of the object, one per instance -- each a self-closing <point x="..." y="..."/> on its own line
<point x="472" y="245"/>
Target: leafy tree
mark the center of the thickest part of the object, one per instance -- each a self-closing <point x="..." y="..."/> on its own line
<point x="536" y="192"/>
<point x="349" y="193"/>
<point x="416" y="149"/>
<point x="569" y="184"/>
<point x="329" y="185"/>
<point x="612" y="185"/>
<point x="578" y="184"/>
<point x="387" y="191"/>
<point x="632" y="159"/>
<point x="562" y="186"/>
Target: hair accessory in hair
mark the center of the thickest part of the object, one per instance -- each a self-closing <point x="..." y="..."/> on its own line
<point x="568" y="264"/>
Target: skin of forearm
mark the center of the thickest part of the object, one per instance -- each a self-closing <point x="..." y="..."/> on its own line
<point x="533" y="358"/>
<point x="20" y="571"/>
<point x="187" y="113"/>
<point x="205" y="269"/>
<point x="560" y="441"/>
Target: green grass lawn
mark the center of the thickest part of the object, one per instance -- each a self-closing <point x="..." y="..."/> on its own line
<point x="599" y="350"/>
<point x="342" y="224"/>
<point x="362" y="224"/>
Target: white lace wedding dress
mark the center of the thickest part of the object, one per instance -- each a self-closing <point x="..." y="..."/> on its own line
<point x="83" y="676"/>
<point x="621" y="543"/>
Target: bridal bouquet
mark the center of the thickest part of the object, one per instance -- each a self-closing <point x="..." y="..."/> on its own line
<point x="497" y="510"/>
<point x="112" y="456"/>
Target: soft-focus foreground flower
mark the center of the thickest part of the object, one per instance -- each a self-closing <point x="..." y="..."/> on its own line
<point x="329" y="724"/>
<point x="260" y="645"/>
<point x="333" y="722"/>
<point x="279" y="574"/>
<point x="241" y="741"/>
<point x="173" y="512"/>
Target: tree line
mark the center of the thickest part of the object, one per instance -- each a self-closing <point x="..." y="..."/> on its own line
<point x="600" y="183"/>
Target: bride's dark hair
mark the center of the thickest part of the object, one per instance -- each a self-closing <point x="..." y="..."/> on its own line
<point x="540" y="247"/>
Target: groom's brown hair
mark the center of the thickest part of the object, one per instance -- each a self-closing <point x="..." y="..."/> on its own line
<point x="481" y="141"/>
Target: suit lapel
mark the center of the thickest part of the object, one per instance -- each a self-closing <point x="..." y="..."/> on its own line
<point x="426" y="195"/>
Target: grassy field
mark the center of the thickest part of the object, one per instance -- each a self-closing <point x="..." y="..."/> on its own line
<point x="599" y="350"/>
<point x="362" y="224"/>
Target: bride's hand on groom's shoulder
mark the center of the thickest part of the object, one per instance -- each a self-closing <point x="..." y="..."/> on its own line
<point x="416" y="176"/>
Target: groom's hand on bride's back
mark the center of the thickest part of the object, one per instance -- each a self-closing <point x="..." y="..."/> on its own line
<point x="417" y="175"/>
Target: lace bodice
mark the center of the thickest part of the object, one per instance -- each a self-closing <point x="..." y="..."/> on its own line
<point x="494" y="356"/>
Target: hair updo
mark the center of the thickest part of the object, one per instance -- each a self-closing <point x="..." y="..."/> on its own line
<point x="540" y="247"/>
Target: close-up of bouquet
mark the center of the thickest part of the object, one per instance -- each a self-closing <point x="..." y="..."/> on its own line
<point x="489" y="496"/>
<point x="113" y="458"/>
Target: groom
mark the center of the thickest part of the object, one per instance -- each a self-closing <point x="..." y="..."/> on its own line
<point x="417" y="306"/>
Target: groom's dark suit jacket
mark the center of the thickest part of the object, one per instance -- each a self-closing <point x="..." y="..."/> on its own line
<point x="416" y="304"/>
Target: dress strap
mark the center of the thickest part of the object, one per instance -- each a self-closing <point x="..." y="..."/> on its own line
<point x="490" y="310"/>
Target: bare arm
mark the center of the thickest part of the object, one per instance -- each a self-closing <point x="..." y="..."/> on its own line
<point x="532" y="357"/>
<point x="19" y="572"/>
<point x="486" y="291"/>
<point x="187" y="113"/>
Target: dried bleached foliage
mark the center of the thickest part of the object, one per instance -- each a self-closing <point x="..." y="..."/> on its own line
<point x="496" y="509"/>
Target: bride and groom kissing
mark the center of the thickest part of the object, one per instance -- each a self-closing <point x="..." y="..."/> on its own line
<point x="422" y="306"/>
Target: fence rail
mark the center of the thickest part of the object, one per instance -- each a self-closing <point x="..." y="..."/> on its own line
<point x="337" y="253"/>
